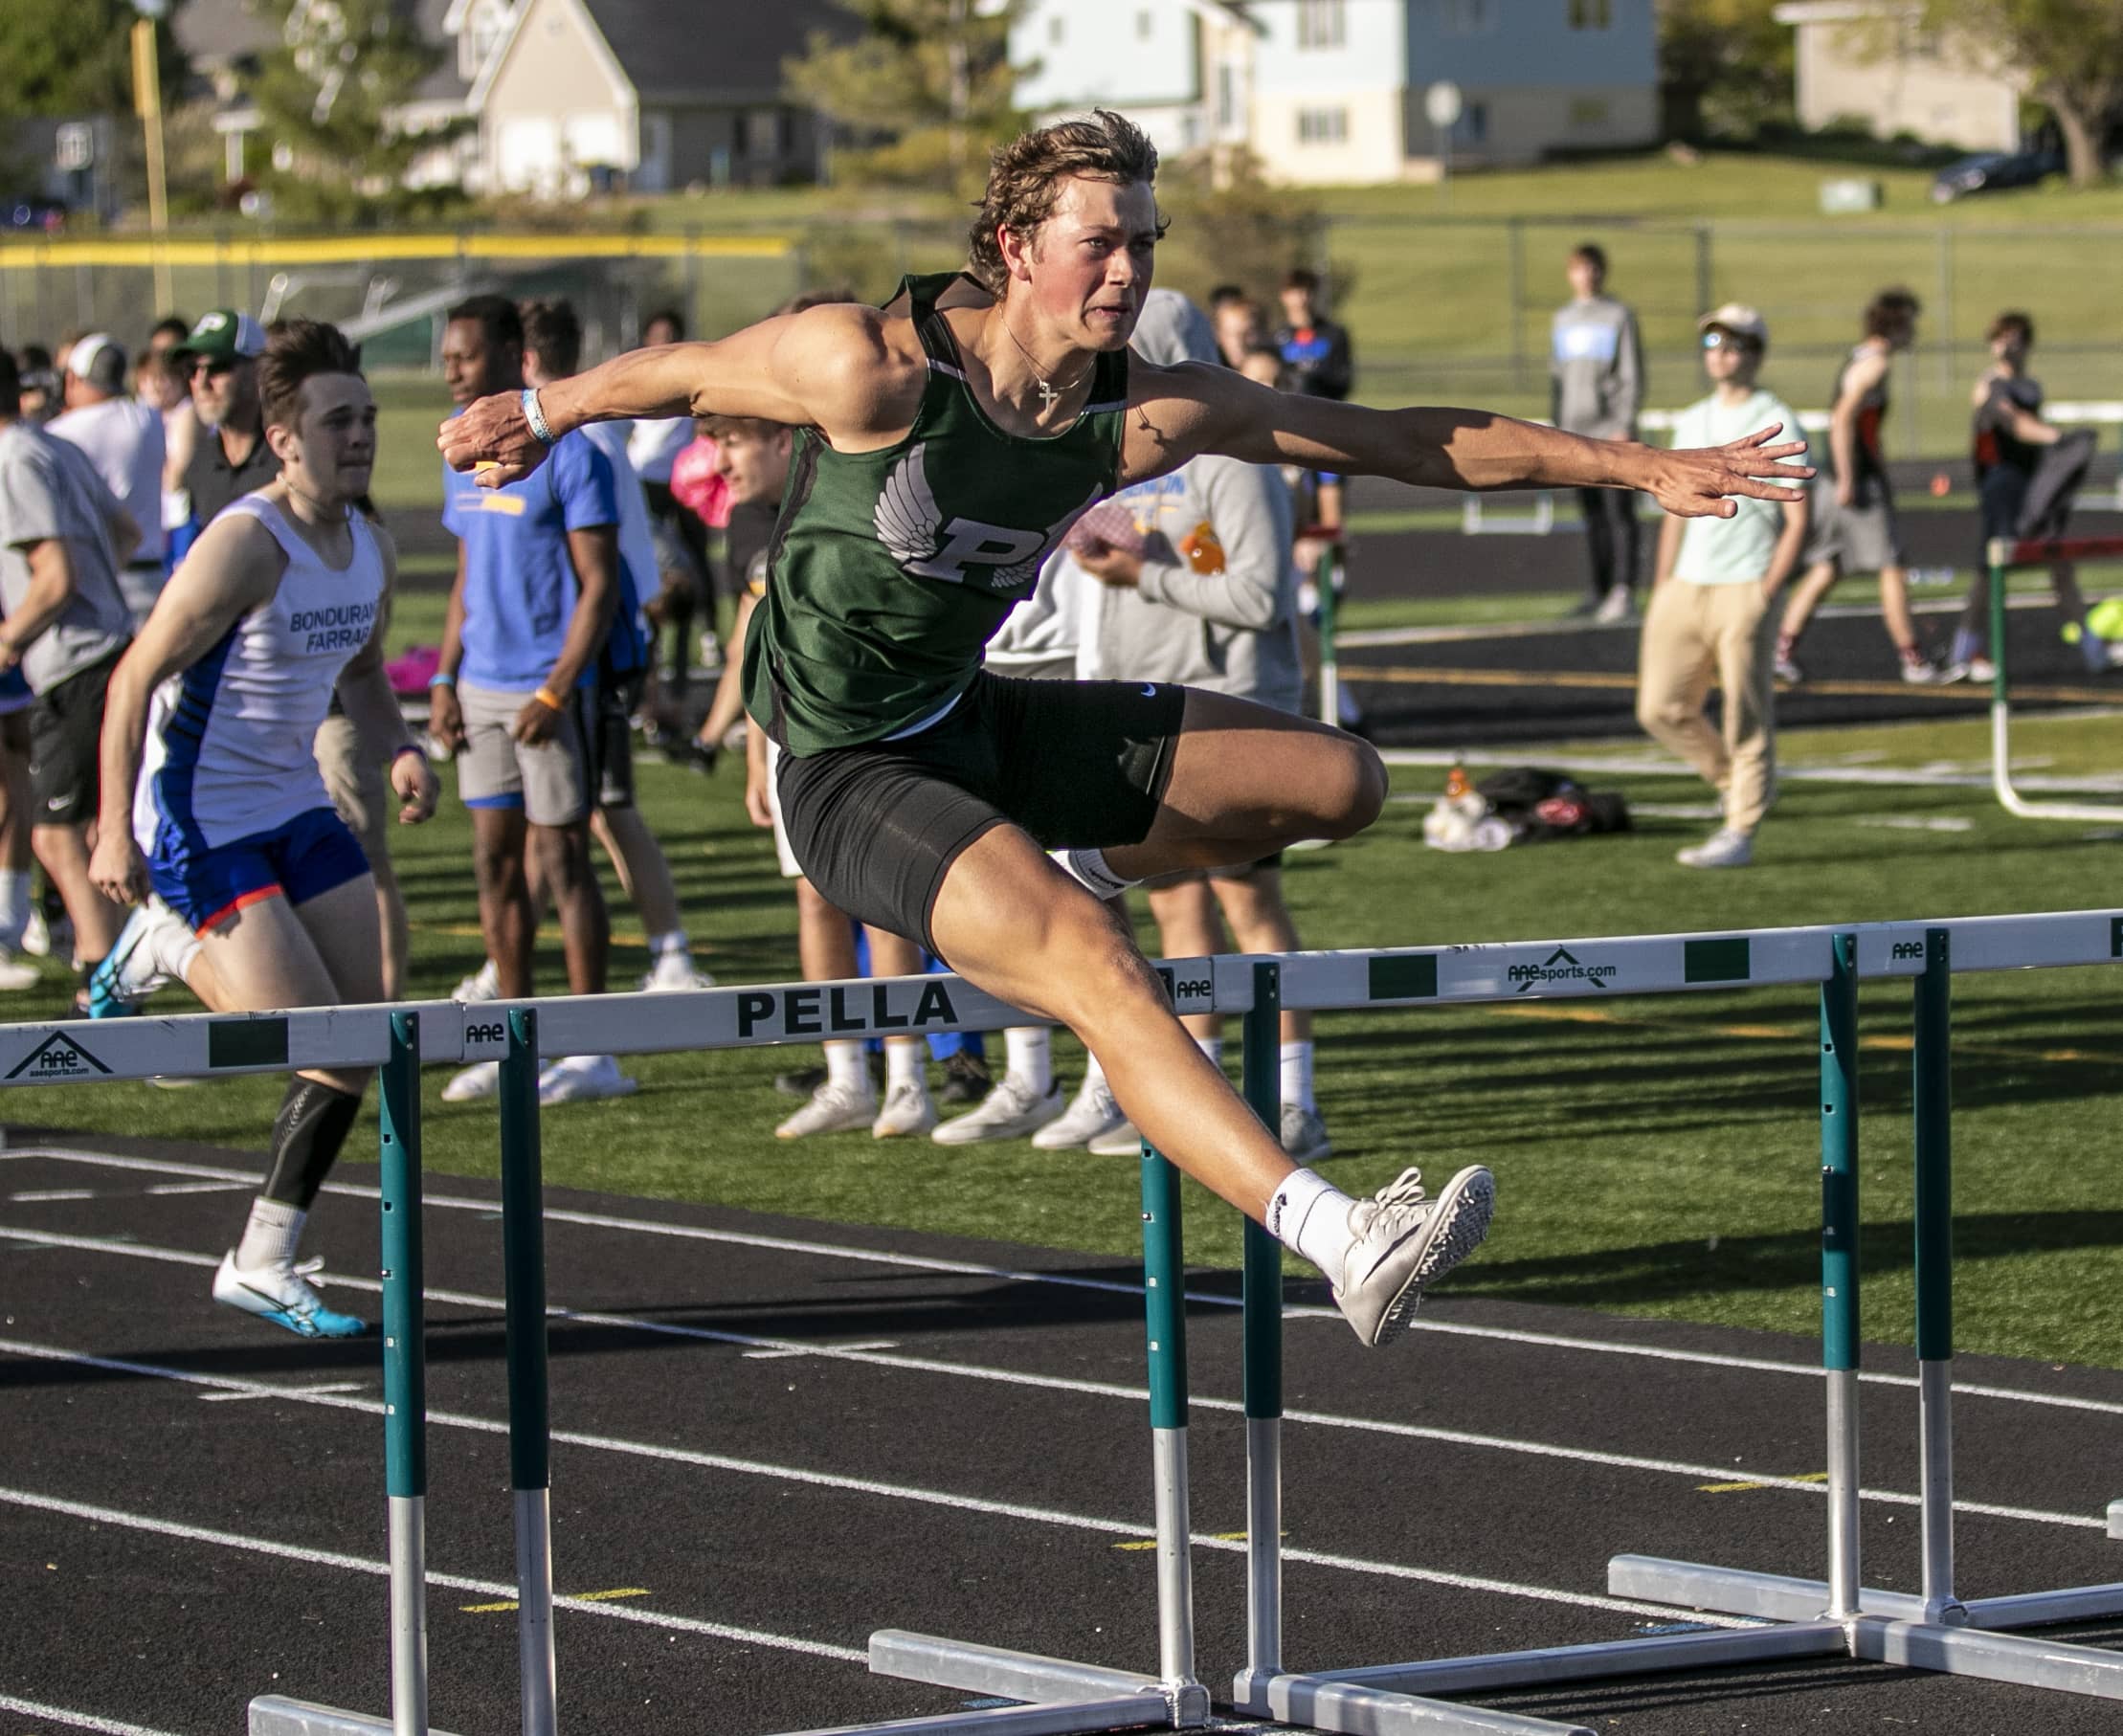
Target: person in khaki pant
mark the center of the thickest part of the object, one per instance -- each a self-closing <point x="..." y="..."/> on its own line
<point x="1711" y="615"/>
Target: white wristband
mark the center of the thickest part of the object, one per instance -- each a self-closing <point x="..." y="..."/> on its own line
<point x="545" y="435"/>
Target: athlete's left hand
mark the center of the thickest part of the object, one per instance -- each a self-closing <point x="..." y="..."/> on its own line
<point x="536" y="724"/>
<point x="494" y="441"/>
<point x="416" y="787"/>
<point x="116" y="868"/>
<point x="1700" y="482"/>
<point x="1109" y="565"/>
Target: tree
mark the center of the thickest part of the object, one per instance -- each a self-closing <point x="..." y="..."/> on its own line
<point x="325" y="97"/>
<point x="73" y="56"/>
<point x="2070" y="53"/>
<point x="1724" y="67"/>
<point x="928" y="83"/>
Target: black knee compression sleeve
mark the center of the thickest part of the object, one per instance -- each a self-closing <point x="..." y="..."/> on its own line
<point x="312" y="1125"/>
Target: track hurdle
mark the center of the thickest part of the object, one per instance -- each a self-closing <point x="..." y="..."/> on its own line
<point x="1806" y="1619"/>
<point x="2005" y="556"/>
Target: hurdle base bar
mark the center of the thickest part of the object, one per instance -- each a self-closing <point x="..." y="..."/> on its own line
<point x="1384" y="1698"/>
<point x="1100" y="1699"/>
<point x="1775" y="1598"/>
<point x="2115" y="1518"/>
<point x="1122" y="1712"/>
<point x="276" y="1715"/>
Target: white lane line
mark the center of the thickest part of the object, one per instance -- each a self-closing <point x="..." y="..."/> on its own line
<point x="74" y="1720"/>
<point x="40" y="1195"/>
<point x="170" y="1187"/>
<point x="455" y="1582"/>
<point x="241" y="1398"/>
<point x="1461" y="1438"/>
<point x="856" y="1486"/>
<point x="1554" y="1341"/>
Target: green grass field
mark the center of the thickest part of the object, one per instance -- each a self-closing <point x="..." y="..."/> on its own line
<point x="1655" y="1155"/>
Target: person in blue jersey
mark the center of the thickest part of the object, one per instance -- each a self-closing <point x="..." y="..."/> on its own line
<point x="948" y="444"/>
<point x="210" y="792"/>
<point x="515" y="693"/>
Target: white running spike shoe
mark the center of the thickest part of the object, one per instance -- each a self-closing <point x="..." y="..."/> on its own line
<point x="1724" y="848"/>
<point x="1120" y="1140"/>
<point x="1013" y="1110"/>
<point x="1302" y="1134"/>
<point x="477" y="1082"/>
<point x="482" y="985"/>
<point x="283" y="1294"/>
<point x="1093" y="1112"/>
<point x="1406" y="1242"/>
<point x="675" y="972"/>
<point x="833" y="1108"/>
<point x="581" y="1079"/>
<point x="908" y="1110"/>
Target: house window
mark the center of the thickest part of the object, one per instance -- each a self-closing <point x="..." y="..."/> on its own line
<point x="1473" y="127"/>
<point x="1146" y="25"/>
<point x="763" y="133"/>
<point x="1470" y="18"/>
<point x="1592" y="14"/>
<point x="1321" y="24"/>
<point x="1227" y="97"/>
<point x="1323" y="125"/>
<point x="1058" y="27"/>
<point x="1588" y="111"/>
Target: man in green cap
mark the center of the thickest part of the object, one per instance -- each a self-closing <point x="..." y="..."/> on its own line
<point x="220" y="358"/>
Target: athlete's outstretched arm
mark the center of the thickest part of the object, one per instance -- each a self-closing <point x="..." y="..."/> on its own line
<point x="1176" y="413"/>
<point x="233" y="566"/>
<point x="827" y="367"/>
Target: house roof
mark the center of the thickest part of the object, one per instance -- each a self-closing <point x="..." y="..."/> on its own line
<point x="222" y="30"/>
<point x="735" y="51"/>
<point x="442" y="82"/>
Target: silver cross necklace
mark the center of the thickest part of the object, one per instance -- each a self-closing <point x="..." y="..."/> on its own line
<point x="1050" y="395"/>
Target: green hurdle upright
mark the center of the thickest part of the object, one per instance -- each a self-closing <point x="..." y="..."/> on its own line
<point x="529" y="1442"/>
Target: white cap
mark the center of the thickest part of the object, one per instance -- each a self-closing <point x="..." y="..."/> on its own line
<point x="1739" y="319"/>
<point x="83" y="357"/>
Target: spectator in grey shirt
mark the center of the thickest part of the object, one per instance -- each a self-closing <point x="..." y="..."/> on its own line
<point x="1595" y="372"/>
<point x="63" y="540"/>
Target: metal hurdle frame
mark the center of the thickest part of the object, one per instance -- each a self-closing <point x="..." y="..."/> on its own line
<point x="2005" y="556"/>
<point x="1803" y="1619"/>
<point x="1937" y="1630"/>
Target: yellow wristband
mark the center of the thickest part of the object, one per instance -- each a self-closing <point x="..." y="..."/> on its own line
<point x="551" y="700"/>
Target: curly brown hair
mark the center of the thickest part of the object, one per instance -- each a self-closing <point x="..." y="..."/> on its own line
<point x="297" y="351"/>
<point x="1025" y="176"/>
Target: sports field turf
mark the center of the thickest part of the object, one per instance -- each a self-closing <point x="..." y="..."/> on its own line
<point x="1656" y="1155"/>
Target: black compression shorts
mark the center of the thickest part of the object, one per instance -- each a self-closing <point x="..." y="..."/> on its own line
<point x="1079" y="765"/>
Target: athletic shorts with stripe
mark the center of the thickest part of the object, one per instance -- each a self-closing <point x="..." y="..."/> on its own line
<point x="207" y="886"/>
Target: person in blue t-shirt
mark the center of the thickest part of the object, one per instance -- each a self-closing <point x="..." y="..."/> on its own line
<point x="515" y="693"/>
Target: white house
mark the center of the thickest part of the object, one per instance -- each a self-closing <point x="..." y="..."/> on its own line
<point x="1872" y="60"/>
<point x="1333" y="90"/>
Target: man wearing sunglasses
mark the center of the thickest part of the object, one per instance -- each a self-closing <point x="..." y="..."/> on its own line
<point x="232" y="458"/>
<point x="1711" y="616"/>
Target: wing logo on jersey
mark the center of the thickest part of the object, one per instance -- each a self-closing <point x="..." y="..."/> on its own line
<point x="911" y="526"/>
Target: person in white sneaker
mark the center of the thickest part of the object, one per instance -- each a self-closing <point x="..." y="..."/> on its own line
<point x="1712" y="613"/>
<point x="538" y="590"/>
<point x="1204" y="592"/>
<point x="752" y="457"/>
<point x="946" y="445"/>
<point x="212" y="798"/>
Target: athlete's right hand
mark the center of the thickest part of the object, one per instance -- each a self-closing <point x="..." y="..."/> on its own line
<point x="446" y="719"/>
<point x="493" y="439"/>
<point x="117" y="869"/>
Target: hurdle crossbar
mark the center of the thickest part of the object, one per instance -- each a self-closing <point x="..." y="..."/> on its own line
<point x="2005" y="556"/>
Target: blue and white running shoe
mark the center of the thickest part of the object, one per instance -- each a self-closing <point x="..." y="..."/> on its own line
<point x="138" y="963"/>
<point x="283" y="1294"/>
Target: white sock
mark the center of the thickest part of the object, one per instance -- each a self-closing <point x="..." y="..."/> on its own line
<point x="14" y="903"/>
<point x="904" y="1058"/>
<point x="1213" y="1048"/>
<point x="271" y="1236"/>
<point x="1030" y="1053"/>
<point x="662" y="945"/>
<point x="1296" y="1075"/>
<point x="1309" y="1214"/>
<point x="1090" y="870"/>
<point x="847" y="1067"/>
<point x="1094" y="1075"/>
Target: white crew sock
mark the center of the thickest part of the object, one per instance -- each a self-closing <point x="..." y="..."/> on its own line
<point x="847" y="1067"/>
<point x="271" y="1236"/>
<point x="1029" y="1050"/>
<point x="1296" y="1075"/>
<point x="1309" y="1214"/>
<point x="1093" y="1073"/>
<point x="1213" y="1048"/>
<point x="662" y="945"/>
<point x="904" y="1058"/>
<point x="14" y="905"/>
<point x="1090" y="870"/>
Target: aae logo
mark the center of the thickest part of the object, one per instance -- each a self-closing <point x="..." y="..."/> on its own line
<point x="1560" y="966"/>
<point x="1906" y="949"/>
<point x="58" y="1056"/>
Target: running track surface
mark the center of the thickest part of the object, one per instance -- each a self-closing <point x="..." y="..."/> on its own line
<point x="192" y="1512"/>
